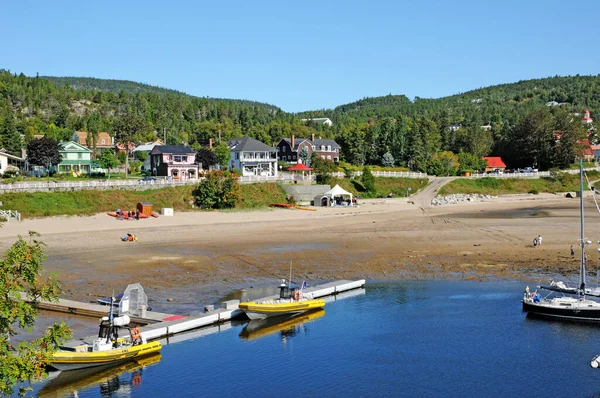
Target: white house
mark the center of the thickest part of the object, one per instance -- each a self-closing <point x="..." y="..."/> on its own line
<point x="322" y="120"/>
<point x="76" y="158"/>
<point x="6" y="159"/>
<point x="252" y="158"/>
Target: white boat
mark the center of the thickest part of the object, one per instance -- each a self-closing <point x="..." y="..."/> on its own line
<point x="575" y="307"/>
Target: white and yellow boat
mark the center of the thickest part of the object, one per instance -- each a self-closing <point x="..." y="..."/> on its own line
<point x="107" y="349"/>
<point x="290" y="301"/>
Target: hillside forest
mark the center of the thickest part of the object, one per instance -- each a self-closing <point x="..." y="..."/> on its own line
<point x="529" y="123"/>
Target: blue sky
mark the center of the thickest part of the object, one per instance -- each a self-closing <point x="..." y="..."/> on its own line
<point x="304" y="55"/>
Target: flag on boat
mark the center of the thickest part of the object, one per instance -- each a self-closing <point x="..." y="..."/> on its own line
<point x="304" y="285"/>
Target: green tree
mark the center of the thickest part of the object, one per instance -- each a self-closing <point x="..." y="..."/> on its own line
<point x="367" y="179"/>
<point x="44" y="152"/>
<point x="304" y="155"/>
<point x="142" y="156"/>
<point x="127" y="127"/>
<point x="206" y="158"/>
<point x="322" y="168"/>
<point x="470" y="162"/>
<point x="223" y="154"/>
<point x="10" y="137"/>
<point x="108" y="160"/>
<point x="218" y="190"/>
<point x="20" y="272"/>
<point x="443" y="164"/>
<point x="387" y="160"/>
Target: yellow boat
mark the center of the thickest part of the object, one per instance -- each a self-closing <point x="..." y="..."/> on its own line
<point x="68" y="384"/>
<point x="290" y="301"/>
<point x="264" y="309"/>
<point x="69" y="360"/>
<point x="107" y="349"/>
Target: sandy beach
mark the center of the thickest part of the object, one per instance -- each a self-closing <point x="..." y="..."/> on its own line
<point x="198" y="258"/>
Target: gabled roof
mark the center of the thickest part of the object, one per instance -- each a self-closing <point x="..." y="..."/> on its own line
<point x="297" y="142"/>
<point x="72" y="146"/>
<point x="494" y="161"/>
<point x="102" y="134"/>
<point x="8" y="155"/>
<point x="318" y="142"/>
<point x="144" y="147"/>
<point x="248" y="144"/>
<point x="172" y="149"/>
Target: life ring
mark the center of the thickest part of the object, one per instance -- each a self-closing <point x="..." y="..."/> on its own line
<point x="136" y="335"/>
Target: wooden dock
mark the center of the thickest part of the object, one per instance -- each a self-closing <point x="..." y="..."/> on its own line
<point x="159" y="325"/>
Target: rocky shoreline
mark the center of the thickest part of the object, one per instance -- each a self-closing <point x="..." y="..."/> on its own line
<point x="460" y="198"/>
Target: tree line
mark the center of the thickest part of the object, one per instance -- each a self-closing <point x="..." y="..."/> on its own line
<point x="442" y="135"/>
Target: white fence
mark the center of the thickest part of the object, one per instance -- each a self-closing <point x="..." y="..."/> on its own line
<point x="536" y="174"/>
<point x="92" y="184"/>
<point x="8" y="214"/>
<point x="403" y="174"/>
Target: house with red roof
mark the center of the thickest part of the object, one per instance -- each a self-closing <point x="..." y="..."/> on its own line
<point x="494" y="163"/>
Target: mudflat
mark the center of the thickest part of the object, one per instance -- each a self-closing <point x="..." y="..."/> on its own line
<point x="192" y="259"/>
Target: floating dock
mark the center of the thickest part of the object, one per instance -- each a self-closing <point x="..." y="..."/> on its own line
<point x="158" y="325"/>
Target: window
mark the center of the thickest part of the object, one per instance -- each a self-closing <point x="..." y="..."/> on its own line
<point x="80" y="156"/>
<point x="284" y="149"/>
<point x="178" y="158"/>
<point x="322" y="147"/>
<point x="328" y="157"/>
<point x="328" y="148"/>
<point x="102" y="141"/>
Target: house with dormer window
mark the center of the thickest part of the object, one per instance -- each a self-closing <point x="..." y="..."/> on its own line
<point x="288" y="149"/>
<point x="174" y="161"/>
<point x="250" y="157"/>
<point x="76" y="159"/>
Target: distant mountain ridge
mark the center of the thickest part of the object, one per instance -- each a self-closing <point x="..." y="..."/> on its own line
<point x="128" y="86"/>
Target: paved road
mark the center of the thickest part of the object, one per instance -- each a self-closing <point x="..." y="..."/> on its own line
<point x="423" y="198"/>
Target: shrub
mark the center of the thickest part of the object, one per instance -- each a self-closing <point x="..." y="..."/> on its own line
<point x="217" y="191"/>
<point x="367" y="179"/>
<point x="533" y="191"/>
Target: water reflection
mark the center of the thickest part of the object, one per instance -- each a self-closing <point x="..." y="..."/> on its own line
<point x="110" y="379"/>
<point x="286" y="326"/>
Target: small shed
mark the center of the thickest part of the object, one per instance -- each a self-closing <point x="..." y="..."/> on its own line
<point x="145" y="208"/>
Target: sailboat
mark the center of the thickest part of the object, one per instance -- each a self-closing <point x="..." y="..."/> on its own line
<point x="576" y="307"/>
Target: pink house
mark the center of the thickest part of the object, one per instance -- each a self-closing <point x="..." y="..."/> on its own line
<point x="174" y="161"/>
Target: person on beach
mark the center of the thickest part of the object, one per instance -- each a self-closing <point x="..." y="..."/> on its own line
<point x="539" y="239"/>
<point x="535" y="242"/>
<point x="572" y="251"/>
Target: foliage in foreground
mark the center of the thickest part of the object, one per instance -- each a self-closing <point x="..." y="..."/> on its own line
<point x="20" y="272"/>
<point x="218" y="190"/>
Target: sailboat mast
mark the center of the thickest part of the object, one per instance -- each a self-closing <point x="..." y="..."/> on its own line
<point x="582" y="269"/>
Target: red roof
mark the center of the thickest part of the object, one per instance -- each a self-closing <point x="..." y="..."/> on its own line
<point x="494" y="161"/>
<point x="300" y="167"/>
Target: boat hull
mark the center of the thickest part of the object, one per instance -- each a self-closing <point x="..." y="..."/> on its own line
<point x="577" y="313"/>
<point x="257" y="310"/>
<point x="70" y="360"/>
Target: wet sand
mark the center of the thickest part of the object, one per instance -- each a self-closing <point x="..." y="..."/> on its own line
<point x="199" y="258"/>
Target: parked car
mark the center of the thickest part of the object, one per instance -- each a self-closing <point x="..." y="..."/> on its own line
<point x="147" y="178"/>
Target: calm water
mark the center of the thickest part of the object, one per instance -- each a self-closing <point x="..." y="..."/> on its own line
<point x="413" y="338"/>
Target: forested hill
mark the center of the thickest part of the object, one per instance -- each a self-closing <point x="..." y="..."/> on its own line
<point x="116" y="86"/>
<point x="517" y="121"/>
<point x="505" y="101"/>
